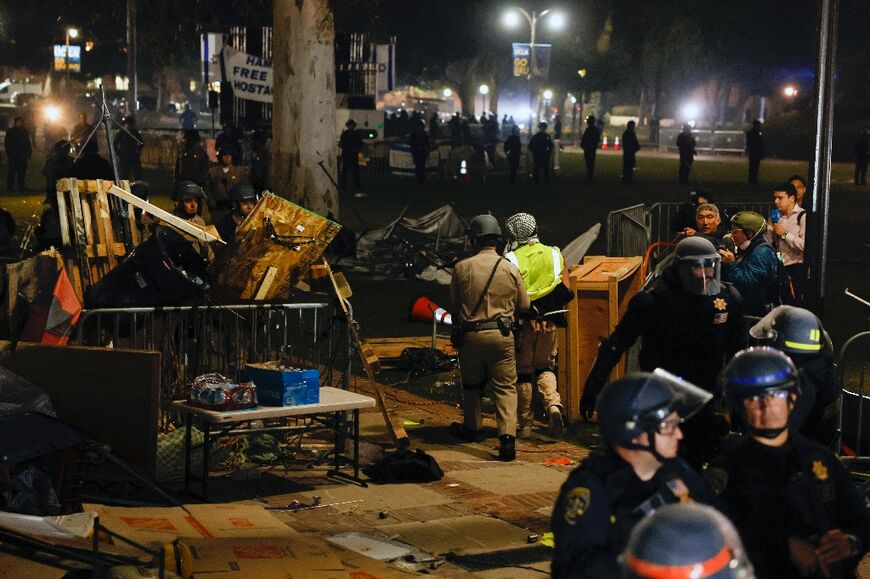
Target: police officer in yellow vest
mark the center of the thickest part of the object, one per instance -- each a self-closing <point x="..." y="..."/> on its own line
<point x="546" y="279"/>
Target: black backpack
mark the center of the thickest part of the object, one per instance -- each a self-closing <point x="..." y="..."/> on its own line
<point x="783" y="293"/>
<point x="405" y="465"/>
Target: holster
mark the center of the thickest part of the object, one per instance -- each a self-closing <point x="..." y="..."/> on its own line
<point x="506" y="326"/>
<point x="457" y="335"/>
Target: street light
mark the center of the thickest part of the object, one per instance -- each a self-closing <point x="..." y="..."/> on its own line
<point x="447" y="93"/>
<point x="790" y="91"/>
<point x="511" y="19"/>
<point x="70" y="33"/>
<point x="484" y="90"/>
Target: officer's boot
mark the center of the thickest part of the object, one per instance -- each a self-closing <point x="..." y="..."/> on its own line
<point x="507" y="450"/>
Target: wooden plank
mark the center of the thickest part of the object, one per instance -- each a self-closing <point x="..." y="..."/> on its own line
<point x="394" y="425"/>
<point x="267" y="283"/>
<point x="389" y="348"/>
<point x="169" y="218"/>
<point x="66" y="239"/>
<point x="107" y="232"/>
<point x="80" y="240"/>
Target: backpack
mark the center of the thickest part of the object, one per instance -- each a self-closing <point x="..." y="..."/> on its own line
<point x="783" y="289"/>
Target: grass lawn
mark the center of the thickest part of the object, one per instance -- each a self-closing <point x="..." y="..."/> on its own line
<point x="565" y="209"/>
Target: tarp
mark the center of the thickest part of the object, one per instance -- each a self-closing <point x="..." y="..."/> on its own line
<point x="442" y="227"/>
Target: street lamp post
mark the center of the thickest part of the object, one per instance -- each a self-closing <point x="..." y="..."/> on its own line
<point x="70" y="33"/>
<point x="484" y="90"/>
<point x="532" y="19"/>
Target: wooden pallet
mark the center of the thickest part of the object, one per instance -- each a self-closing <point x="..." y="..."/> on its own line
<point x="90" y="246"/>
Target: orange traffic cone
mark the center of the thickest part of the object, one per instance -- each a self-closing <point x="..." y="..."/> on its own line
<point x="615" y="143"/>
<point x="604" y="143"/>
<point x="424" y="309"/>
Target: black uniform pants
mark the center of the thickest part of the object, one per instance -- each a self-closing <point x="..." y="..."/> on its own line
<point x="513" y="165"/>
<point x="861" y="172"/>
<point x="628" y="163"/>
<point x="589" y="157"/>
<point x="754" y="165"/>
<point x="685" y="167"/>
<point x="542" y="165"/>
<point x="420" y="167"/>
<point x="15" y="174"/>
<point x="350" y="163"/>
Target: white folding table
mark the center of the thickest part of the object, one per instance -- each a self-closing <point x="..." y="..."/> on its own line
<point x="334" y="402"/>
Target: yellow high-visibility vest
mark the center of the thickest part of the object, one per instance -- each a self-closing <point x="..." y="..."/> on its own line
<point x="541" y="267"/>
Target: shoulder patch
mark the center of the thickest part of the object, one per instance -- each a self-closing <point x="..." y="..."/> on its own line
<point x="577" y="502"/>
<point x="717" y="478"/>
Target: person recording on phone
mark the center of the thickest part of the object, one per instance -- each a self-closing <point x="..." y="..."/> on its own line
<point x="786" y="233"/>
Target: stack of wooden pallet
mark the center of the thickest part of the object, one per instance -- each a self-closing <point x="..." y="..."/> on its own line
<point x="91" y="245"/>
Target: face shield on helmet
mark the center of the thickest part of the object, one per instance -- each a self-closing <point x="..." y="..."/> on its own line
<point x="685" y="541"/>
<point x="643" y="402"/>
<point x="699" y="266"/>
<point x="793" y="330"/>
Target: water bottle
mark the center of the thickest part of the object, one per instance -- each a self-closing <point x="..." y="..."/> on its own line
<point x="774" y="215"/>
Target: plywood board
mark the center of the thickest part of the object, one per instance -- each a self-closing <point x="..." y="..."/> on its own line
<point x="382" y="497"/>
<point x="110" y="394"/>
<point x="279" y="234"/>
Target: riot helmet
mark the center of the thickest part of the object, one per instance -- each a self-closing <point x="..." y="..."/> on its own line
<point x="243" y="192"/>
<point x="756" y="373"/>
<point x="521" y="228"/>
<point x="641" y="403"/>
<point x="699" y="266"/>
<point x="685" y="540"/>
<point x="187" y="189"/>
<point x="484" y="228"/>
<point x="793" y="330"/>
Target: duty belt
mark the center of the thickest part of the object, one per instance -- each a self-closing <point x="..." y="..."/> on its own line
<point x="480" y="326"/>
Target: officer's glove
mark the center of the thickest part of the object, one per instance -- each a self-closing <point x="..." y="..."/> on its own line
<point x="593" y="387"/>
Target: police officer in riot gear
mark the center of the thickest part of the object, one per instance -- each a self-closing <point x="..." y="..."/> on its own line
<point x="487" y="292"/>
<point x="685" y="540"/>
<point x="689" y="321"/>
<point x="640" y="418"/>
<point x="244" y="199"/>
<point x="799" y="334"/>
<point x="790" y="498"/>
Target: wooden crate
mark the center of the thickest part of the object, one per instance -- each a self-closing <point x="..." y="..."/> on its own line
<point x="603" y="286"/>
<point x="90" y="245"/>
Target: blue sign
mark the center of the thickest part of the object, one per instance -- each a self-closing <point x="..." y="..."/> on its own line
<point x="523" y="55"/>
<point x="73" y="60"/>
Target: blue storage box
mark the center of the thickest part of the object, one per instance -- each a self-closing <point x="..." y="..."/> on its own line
<point x="277" y="387"/>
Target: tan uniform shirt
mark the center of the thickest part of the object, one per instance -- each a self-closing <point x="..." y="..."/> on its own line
<point x="220" y="182"/>
<point x="506" y="295"/>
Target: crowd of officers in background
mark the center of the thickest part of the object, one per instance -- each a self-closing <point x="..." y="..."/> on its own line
<point x="735" y="407"/>
<point x="221" y="194"/>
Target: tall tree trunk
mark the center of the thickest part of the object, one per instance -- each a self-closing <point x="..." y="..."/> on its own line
<point x="303" y="110"/>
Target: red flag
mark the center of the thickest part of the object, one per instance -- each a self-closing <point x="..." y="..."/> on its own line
<point x="64" y="312"/>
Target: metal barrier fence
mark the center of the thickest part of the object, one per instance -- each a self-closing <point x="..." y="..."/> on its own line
<point x="711" y="142"/>
<point x="627" y="231"/>
<point x="854" y="375"/>
<point x="198" y="340"/>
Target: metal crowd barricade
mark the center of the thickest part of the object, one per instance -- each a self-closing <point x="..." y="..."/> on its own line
<point x="195" y="340"/>
<point x="854" y="375"/>
<point x="627" y="231"/>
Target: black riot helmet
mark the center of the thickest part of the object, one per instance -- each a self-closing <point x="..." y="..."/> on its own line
<point x="640" y="402"/>
<point x="793" y="330"/>
<point x="242" y="192"/>
<point x="484" y="230"/>
<point x="685" y="540"/>
<point x="699" y="266"/>
<point x="185" y="189"/>
<point x="757" y="372"/>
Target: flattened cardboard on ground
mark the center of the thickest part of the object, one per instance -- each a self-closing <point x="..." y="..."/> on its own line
<point x="381" y="497"/>
<point x="294" y="556"/>
<point x="472" y="534"/>
<point x="11" y="566"/>
<point x="515" y="479"/>
<point x="208" y="521"/>
<point x="241" y="270"/>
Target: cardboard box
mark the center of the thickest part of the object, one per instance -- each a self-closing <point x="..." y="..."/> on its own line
<point x="276" y="387"/>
